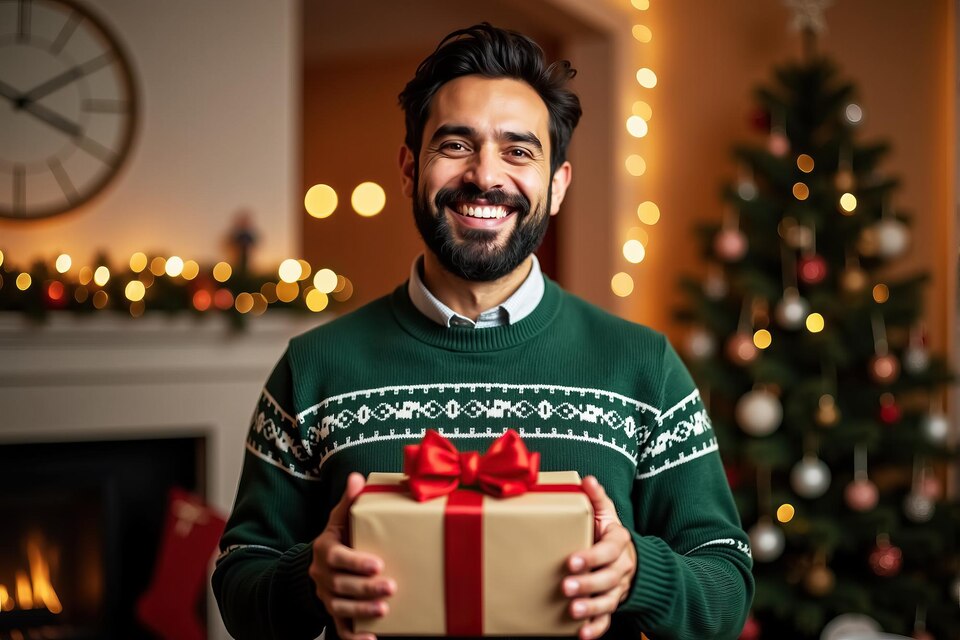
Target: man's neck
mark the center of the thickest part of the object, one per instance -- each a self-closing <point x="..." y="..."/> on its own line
<point x="466" y="297"/>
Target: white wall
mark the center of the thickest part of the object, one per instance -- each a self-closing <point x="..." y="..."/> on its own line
<point x="219" y="84"/>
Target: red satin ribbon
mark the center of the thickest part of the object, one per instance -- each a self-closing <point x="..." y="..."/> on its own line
<point x="435" y="468"/>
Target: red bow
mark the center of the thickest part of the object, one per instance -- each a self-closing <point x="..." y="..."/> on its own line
<point x="435" y="467"/>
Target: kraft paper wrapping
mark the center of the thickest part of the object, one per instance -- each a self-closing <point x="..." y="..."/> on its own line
<point x="526" y="541"/>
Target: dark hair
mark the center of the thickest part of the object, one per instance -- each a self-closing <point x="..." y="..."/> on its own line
<point x="494" y="53"/>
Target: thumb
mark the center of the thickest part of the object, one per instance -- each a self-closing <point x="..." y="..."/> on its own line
<point x="604" y="511"/>
<point x="355" y="484"/>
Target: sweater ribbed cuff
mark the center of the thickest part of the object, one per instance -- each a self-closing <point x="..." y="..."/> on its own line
<point x="651" y="595"/>
<point x="292" y="569"/>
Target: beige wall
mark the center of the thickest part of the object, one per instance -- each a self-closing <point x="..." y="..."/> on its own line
<point x="710" y="55"/>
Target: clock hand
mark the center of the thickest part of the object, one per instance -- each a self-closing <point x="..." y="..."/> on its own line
<point x="68" y="76"/>
<point x="54" y="119"/>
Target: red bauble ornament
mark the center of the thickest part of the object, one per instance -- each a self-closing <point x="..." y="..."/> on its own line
<point x="812" y="269"/>
<point x="861" y="495"/>
<point x="751" y="629"/>
<point x="778" y="144"/>
<point x="890" y="412"/>
<point x="884" y="369"/>
<point x="886" y="559"/>
<point x="760" y="119"/>
<point x="741" y="350"/>
<point x="730" y="245"/>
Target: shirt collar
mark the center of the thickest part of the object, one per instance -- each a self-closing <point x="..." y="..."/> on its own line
<point x="514" y="309"/>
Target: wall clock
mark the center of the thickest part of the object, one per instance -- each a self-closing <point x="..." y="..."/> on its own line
<point x="68" y="107"/>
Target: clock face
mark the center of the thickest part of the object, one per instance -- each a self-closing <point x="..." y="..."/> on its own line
<point x="67" y="107"/>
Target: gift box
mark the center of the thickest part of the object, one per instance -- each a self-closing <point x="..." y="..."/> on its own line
<point x="477" y="544"/>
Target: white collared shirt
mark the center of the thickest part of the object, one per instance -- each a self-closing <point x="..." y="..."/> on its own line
<point x="518" y="306"/>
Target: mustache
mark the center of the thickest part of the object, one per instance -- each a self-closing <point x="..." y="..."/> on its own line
<point x="495" y="197"/>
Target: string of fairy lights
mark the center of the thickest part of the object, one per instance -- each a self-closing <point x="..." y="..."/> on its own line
<point x="638" y="125"/>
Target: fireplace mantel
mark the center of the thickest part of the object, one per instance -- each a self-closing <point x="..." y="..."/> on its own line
<point x="109" y="376"/>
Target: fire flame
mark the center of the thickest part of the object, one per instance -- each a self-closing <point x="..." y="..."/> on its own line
<point x="34" y="591"/>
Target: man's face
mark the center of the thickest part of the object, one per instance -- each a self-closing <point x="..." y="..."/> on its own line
<point x="482" y="187"/>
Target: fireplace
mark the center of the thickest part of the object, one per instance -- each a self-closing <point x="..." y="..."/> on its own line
<point x="82" y="526"/>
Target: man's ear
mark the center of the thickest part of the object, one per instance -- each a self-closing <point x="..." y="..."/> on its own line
<point x="558" y="186"/>
<point x="408" y="163"/>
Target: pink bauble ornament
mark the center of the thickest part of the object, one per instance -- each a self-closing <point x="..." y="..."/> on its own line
<point x="884" y="369"/>
<point x="740" y="349"/>
<point x="812" y="269"/>
<point x="715" y="285"/>
<point x="778" y="144"/>
<point x="931" y="487"/>
<point x="730" y="245"/>
<point x="751" y="629"/>
<point x="861" y="495"/>
<point x="886" y="559"/>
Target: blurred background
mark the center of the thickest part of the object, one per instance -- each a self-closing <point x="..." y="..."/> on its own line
<point x="185" y="185"/>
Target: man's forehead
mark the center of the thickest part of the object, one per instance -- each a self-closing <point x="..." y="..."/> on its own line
<point x="494" y="105"/>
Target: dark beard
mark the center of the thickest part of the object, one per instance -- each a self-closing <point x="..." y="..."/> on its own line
<point x="477" y="258"/>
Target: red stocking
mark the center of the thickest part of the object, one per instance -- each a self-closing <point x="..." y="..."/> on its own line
<point x="190" y="535"/>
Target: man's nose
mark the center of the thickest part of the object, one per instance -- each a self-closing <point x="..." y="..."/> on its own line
<point x="486" y="170"/>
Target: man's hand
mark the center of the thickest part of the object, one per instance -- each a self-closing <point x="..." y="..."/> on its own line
<point x="348" y="582"/>
<point x="603" y="573"/>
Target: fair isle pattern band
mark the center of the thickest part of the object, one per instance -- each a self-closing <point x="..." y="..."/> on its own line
<point x="739" y="545"/>
<point x="685" y="433"/>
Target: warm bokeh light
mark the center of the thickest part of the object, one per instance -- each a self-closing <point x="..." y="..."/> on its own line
<point x="815" y="323"/>
<point x="762" y="339"/>
<point x="147" y="279"/>
<point x="325" y="281"/>
<point x="305" y="269"/>
<point x="854" y="113"/>
<point x="641" y="5"/>
<point x="637" y="126"/>
<point x="290" y="270"/>
<point x="259" y="304"/>
<point x="636" y="165"/>
<point x="269" y="292"/>
<point x="138" y="262"/>
<point x="622" y="284"/>
<point x="158" y="266"/>
<point x="223" y="299"/>
<point x="634" y="251"/>
<point x="222" y="272"/>
<point x="55" y="290"/>
<point x="648" y="212"/>
<point x="368" y="199"/>
<point x="101" y="276"/>
<point x="848" y="202"/>
<point x="202" y="300"/>
<point x="100" y="299"/>
<point x="881" y="293"/>
<point x="317" y="300"/>
<point x="1" y="258"/>
<point x="647" y="78"/>
<point x="642" y="33"/>
<point x="137" y="308"/>
<point x="244" y="303"/>
<point x="63" y="263"/>
<point x="190" y="269"/>
<point x="805" y="163"/>
<point x="85" y="276"/>
<point x="785" y="513"/>
<point x="639" y="234"/>
<point x="287" y="291"/>
<point x="344" y="289"/>
<point x="801" y="191"/>
<point x="320" y="201"/>
<point x="134" y="290"/>
<point x="174" y="266"/>
<point x="642" y="109"/>
<point x="81" y="294"/>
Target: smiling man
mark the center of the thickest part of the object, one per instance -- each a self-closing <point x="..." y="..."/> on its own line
<point x="475" y="342"/>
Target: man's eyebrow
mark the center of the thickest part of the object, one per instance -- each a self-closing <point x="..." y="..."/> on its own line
<point x="453" y="130"/>
<point x="528" y="137"/>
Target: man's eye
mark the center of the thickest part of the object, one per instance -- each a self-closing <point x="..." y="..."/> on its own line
<point x="453" y="146"/>
<point x="519" y="153"/>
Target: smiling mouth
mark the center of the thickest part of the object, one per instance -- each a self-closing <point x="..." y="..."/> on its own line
<point x="481" y="211"/>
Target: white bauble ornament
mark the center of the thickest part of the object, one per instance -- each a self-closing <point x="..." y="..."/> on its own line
<point x="730" y="245"/>
<point x="792" y="310"/>
<point x="701" y="344"/>
<point x="747" y="190"/>
<point x="766" y="541"/>
<point x="810" y="478"/>
<point x="848" y="626"/>
<point x="935" y="427"/>
<point x="759" y="412"/>
<point x="893" y="238"/>
<point x="916" y="359"/>
<point x="918" y="507"/>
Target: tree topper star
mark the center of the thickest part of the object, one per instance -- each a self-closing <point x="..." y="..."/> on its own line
<point x="808" y="14"/>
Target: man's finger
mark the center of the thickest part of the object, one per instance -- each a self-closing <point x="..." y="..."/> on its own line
<point x="344" y="632"/>
<point x="608" y="549"/>
<point x="343" y="558"/>
<point x="586" y="608"/>
<point x="595" y="628"/>
<point x="338" y="515"/>
<point x="363" y="588"/>
<point x="345" y="608"/>
<point x="589" y="583"/>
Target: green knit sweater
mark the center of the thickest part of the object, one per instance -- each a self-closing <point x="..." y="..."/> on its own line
<point x="589" y="391"/>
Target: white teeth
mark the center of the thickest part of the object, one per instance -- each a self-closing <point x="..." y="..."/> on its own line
<point x="483" y="212"/>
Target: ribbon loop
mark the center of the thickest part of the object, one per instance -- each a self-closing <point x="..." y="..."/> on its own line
<point x="435" y="468"/>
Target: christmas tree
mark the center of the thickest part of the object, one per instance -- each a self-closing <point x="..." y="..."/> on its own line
<point x="826" y="400"/>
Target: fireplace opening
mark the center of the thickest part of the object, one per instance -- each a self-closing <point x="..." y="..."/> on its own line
<point x="81" y="526"/>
